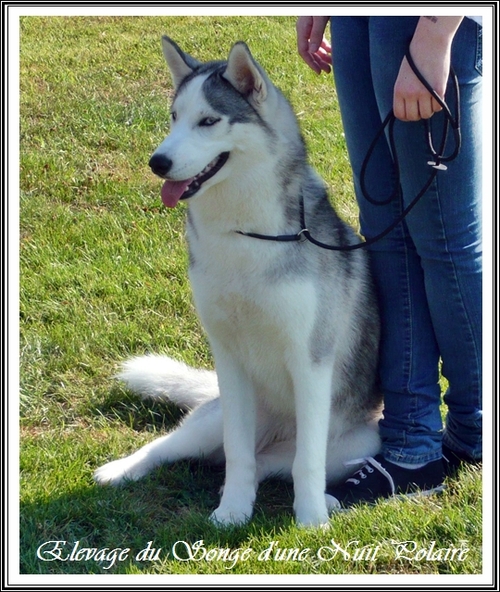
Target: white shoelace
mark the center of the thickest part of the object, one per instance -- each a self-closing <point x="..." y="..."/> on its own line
<point x="369" y="464"/>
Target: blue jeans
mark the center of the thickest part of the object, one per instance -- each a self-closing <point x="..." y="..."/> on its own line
<point x="428" y="271"/>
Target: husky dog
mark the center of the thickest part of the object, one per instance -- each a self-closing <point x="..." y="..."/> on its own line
<point x="293" y="328"/>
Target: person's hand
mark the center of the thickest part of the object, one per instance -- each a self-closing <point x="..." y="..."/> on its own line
<point x="311" y="44"/>
<point x="430" y="49"/>
<point x="412" y="101"/>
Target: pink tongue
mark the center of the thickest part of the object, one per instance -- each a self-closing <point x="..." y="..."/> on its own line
<point x="172" y="191"/>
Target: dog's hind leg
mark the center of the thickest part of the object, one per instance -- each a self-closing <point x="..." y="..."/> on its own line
<point x="358" y="442"/>
<point x="198" y="436"/>
<point x="276" y="461"/>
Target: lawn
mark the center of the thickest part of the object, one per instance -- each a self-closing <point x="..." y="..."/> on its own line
<point x="103" y="277"/>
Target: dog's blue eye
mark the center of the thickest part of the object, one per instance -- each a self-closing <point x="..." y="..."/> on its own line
<point x="208" y="121"/>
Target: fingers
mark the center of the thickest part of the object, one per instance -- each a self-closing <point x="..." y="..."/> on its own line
<point x="412" y="101"/>
<point x="415" y="108"/>
<point x="316" y="36"/>
<point x="319" y="60"/>
<point x="322" y="60"/>
<point x="303" y="28"/>
<point x="311" y="45"/>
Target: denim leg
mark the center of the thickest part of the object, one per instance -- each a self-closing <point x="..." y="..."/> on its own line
<point x="428" y="270"/>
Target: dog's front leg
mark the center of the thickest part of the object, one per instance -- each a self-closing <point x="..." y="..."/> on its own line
<point x="239" y="417"/>
<point x="312" y="400"/>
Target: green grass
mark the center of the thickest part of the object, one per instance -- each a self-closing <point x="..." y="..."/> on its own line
<point x="103" y="276"/>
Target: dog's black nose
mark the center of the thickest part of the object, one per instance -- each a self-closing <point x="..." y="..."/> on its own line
<point x="160" y="164"/>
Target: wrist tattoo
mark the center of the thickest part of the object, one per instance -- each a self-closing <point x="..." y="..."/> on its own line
<point x="433" y="19"/>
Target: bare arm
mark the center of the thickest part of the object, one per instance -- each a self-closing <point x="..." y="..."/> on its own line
<point x="430" y="49"/>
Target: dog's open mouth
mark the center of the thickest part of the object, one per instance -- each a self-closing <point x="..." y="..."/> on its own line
<point x="173" y="191"/>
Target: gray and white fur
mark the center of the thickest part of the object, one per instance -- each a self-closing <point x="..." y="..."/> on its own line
<point x="293" y="328"/>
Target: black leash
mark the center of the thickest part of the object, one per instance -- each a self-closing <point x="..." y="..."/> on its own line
<point x="437" y="164"/>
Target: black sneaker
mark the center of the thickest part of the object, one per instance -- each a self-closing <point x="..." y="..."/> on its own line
<point x="379" y="479"/>
<point x="453" y="461"/>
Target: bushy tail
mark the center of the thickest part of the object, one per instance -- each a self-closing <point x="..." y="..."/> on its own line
<point x="161" y="377"/>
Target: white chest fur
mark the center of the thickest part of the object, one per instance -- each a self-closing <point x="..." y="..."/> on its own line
<point x="258" y="317"/>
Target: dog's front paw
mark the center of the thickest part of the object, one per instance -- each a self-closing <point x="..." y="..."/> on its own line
<point x="312" y="515"/>
<point x="119" y="471"/>
<point x="226" y="517"/>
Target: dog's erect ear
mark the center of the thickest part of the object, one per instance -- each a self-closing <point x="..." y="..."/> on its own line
<point x="180" y="64"/>
<point x="242" y="72"/>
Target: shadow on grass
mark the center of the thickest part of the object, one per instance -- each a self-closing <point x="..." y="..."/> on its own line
<point x="138" y="414"/>
<point x="171" y="504"/>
